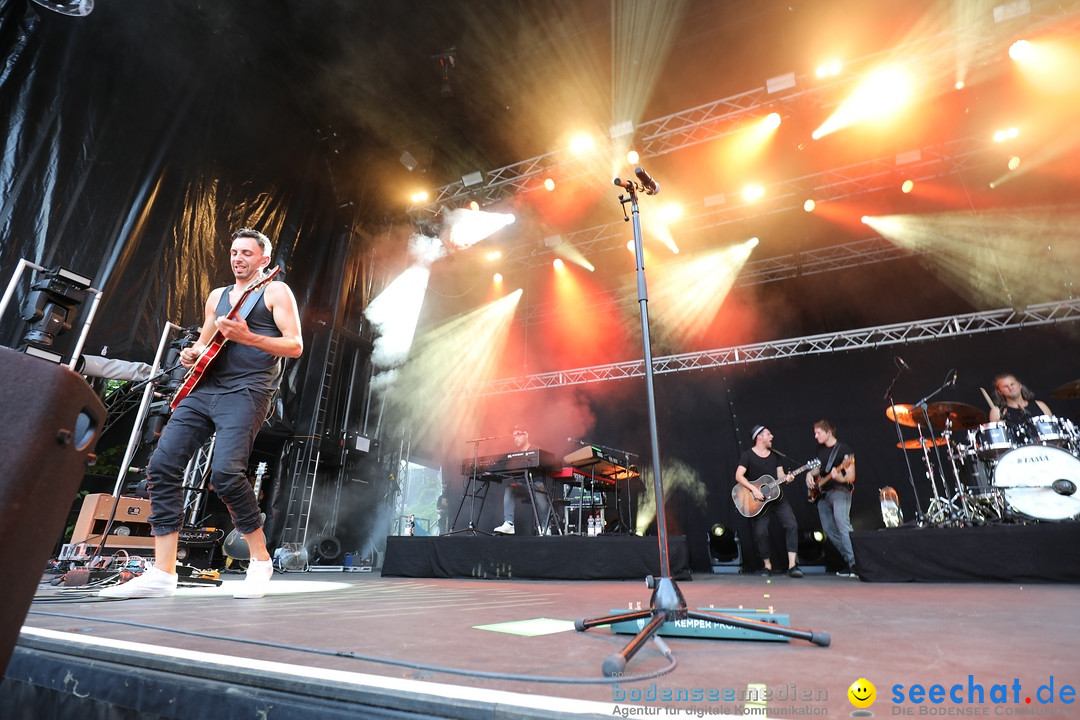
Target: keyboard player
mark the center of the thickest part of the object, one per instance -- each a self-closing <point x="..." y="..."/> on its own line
<point x="516" y="490"/>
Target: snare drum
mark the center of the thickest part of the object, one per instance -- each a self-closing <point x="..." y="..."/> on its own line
<point x="1048" y="430"/>
<point x="1040" y="482"/>
<point x="992" y="440"/>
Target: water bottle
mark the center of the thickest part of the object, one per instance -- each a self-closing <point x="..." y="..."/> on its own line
<point x="890" y="508"/>
<point x="592" y="526"/>
<point x="599" y="523"/>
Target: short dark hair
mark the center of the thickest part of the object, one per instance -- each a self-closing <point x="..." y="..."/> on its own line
<point x="264" y="242"/>
<point x="825" y="425"/>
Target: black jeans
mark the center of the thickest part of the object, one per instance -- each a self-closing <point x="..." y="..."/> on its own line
<point x="783" y="511"/>
<point x="236" y="417"/>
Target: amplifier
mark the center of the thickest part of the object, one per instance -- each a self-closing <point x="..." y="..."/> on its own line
<point x="131" y="526"/>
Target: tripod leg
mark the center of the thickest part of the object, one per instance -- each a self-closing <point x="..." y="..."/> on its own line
<point x="615" y="664"/>
<point x="817" y="638"/>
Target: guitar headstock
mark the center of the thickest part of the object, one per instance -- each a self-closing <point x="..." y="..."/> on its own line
<point x="260" y="470"/>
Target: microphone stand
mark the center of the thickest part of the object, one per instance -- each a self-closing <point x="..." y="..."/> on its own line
<point x="667" y="602"/>
<point x="937" y="505"/>
<point x="920" y="518"/>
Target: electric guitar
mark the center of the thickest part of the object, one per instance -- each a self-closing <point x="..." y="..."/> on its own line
<point x="235" y="546"/>
<point x="217" y="341"/>
<point x="769" y="487"/>
<point x="842" y="468"/>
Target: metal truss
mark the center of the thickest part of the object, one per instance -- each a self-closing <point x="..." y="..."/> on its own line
<point x="781" y="267"/>
<point x="935" y="56"/>
<point x="900" y="333"/>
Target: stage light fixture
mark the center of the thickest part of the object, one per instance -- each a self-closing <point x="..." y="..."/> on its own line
<point x="780" y="82"/>
<point x="1021" y="51"/>
<point x="907" y="186"/>
<point x="752" y="193"/>
<point x="549" y="184"/>
<point x="830" y="68"/>
<point x="1006" y="134"/>
<point x="809" y="205"/>
<point x="445" y="63"/>
<point x="497" y="278"/>
<point x="558" y="264"/>
<point x="772" y="121"/>
<point x="50" y="308"/>
<point x="1014" y="162"/>
<point x="582" y="143"/>
<point x="473" y="178"/>
<point x="725" y="552"/>
<point x="418" y="197"/>
<point x="626" y="127"/>
<point x="1011" y="10"/>
<point x="632" y="157"/>
<point x="408" y="161"/>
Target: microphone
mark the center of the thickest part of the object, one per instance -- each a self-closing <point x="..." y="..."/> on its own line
<point x="1063" y="487"/>
<point x="901" y="364"/>
<point x="651" y="186"/>
<point x="952" y="380"/>
<point x="624" y="184"/>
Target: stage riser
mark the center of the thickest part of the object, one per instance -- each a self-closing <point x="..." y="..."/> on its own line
<point x="1039" y="552"/>
<point x="615" y="557"/>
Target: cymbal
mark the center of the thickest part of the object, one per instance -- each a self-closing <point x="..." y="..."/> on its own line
<point x="906" y="415"/>
<point x="962" y="415"/>
<point x="1068" y="391"/>
<point x="918" y="443"/>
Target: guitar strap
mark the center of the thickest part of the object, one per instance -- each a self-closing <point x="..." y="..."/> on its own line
<point x="832" y="457"/>
<point x="249" y="303"/>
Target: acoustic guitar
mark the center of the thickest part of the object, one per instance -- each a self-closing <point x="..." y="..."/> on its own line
<point x="217" y="341"/>
<point x="769" y="487"/>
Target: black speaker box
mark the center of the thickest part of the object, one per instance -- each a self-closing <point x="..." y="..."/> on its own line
<point x="50" y="421"/>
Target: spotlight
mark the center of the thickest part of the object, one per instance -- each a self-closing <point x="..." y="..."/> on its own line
<point x="557" y="263"/>
<point x="1020" y="51"/>
<point x="418" y="197"/>
<point x="1006" y="134"/>
<point x="725" y="553"/>
<point x="50" y="308"/>
<point x="1014" y="162"/>
<point x="549" y="184"/>
<point x="753" y="192"/>
<point x="772" y="121"/>
<point x="632" y="157"/>
<point x="809" y="205"/>
<point x="906" y="186"/>
<point x="582" y="143"/>
<point x="497" y="277"/>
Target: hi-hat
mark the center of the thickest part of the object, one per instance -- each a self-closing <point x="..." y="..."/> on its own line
<point x="1068" y="391"/>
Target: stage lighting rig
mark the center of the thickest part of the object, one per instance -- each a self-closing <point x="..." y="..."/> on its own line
<point x="50" y="308"/>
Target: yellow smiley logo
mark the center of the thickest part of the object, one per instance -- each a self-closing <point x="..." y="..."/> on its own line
<point x="862" y="693"/>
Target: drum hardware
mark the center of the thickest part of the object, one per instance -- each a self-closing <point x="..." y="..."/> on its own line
<point x="1039" y="482"/>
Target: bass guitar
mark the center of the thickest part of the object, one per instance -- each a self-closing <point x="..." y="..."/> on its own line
<point x="842" y="468"/>
<point x="769" y="487"/>
<point x="217" y="341"/>
<point x="235" y="546"/>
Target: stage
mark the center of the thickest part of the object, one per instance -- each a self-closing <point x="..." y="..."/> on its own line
<point x="565" y="557"/>
<point x="338" y="644"/>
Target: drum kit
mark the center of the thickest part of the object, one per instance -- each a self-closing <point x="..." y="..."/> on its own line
<point x="1001" y="472"/>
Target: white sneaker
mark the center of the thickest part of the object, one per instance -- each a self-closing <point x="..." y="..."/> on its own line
<point x="152" y="583"/>
<point x="507" y="528"/>
<point x="257" y="579"/>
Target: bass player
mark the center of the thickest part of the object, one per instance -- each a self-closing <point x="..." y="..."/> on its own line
<point x="755" y="463"/>
<point x="830" y="486"/>
<point x="230" y="397"/>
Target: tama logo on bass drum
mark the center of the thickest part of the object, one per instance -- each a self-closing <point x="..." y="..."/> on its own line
<point x="1034" y="459"/>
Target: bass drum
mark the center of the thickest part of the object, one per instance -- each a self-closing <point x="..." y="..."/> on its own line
<point x="1040" y="482"/>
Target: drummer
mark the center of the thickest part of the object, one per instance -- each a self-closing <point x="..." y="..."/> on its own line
<point x="1013" y="402"/>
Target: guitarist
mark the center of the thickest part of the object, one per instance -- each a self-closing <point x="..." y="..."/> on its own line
<point x="231" y="399"/>
<point x="758" y="461"/>
<point x="831" y="485"/>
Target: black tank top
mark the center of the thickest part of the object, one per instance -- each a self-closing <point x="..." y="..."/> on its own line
<point x="240" y="367"/>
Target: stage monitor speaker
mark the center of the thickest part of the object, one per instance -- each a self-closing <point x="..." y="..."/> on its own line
<point x="50" y="421"/>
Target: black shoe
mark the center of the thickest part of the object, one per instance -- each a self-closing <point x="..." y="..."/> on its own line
<point x="848" y="572"/>
<point x="765" y="572"/>
<point x="795" y="572"/>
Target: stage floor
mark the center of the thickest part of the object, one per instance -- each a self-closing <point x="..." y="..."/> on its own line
<point x="323" y="637"/>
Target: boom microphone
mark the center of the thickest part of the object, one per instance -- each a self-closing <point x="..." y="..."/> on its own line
<point x="624" y="184"/>
<point x="651" y="186"/>
<point x="901" y="364"/>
